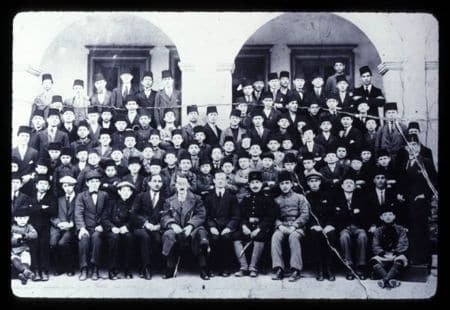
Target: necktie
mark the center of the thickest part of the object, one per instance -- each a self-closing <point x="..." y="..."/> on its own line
<point x="152" y="198"/>
<point x="390" y="127"/>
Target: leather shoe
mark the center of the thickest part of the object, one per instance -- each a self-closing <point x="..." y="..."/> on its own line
<point x="361" y="274"/>
<point x="295" y="276"/>
<point x="240" y="273"/>
<point x="225" y="274"/>
<point x="45" y="276"/>
<point x="253" y="273"/>
<point x="204" y="274"/>
<point x="128" y="274"/>
<point x="70" y="273"/>
<point x="22" y="278"/>
<point x="278" y="274"/>
<point x="394" y="283"/>
<point x="319" y="276"/>
<point x="83" y="274"/>
<point x="147" y="274"/>
<point x="349" y="276"/>
<point x="37" y="276"/>
<point x="112" y="275"/>
<point x="168" y="274"/>
<point x="95" y="274"/>
<point x="330" y="274"/>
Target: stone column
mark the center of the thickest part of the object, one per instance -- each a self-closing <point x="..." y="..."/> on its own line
<point x="393" y="82"/>
<point x="159" y="62"/>
<point x="280" y="59"/>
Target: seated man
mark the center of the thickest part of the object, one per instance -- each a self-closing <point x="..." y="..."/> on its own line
<point x="62" y="231"/>
<point x="222" y="220"/>
<point x="183" y="217"/>
<point x="256" y="221"/>
<point x="350" y="221"/>
<point x="389" y="245"/>
<point x="146" y="211"/>
<point x="89" y="207"/>
<point x="292" y="214"/>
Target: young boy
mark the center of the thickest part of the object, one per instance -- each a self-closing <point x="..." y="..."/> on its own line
<point x="334" y="115"/>
<point x="168" y="125"/>
<point x="119" y="161"/>
<point x="130" y="149"/>
<point x="194" y="151"/>
<point x="212" y="131"/>
<point x="269" y="172"/>
<point x="68" y="124"/>
<point x="287" y="145"/>
<point x="42" y="210"/>
<point x="228" y="168"/>
<point x="117" y="137"/>
<point x="326" y="138"/>
<point x="269" y="112"/>
<point x="343" y="95"/>
<point x="241" y="178"/>
<point x="51" y="134"/>
<point x="242" y="107"/>
<point x="229" y="147"/>
<point x="349" y="135"/>
<point x="356" y="172"/>
<point x="83" y="136"/>
<point x="132" y="116"/>
<point x="332" y="172"/>
<point x="234" y="131"/>
<point x="116" y="223"/>
<point x="81" y="155"/>
<point x="216" y="159"/>
<point x="102" y="96"/>
<point x="22" y="233"/>
<point x="273" y="145"/>
<point x="200" y="137"/>
<point x="62" y="232"/>
<point x="184" y="169"/>
<point x="93" y="117"/>
<point x="64" y="169"/>
<point x="145" y="128"/>
<point x="369" y="137"/>
<point x="290" y="165"/>
<point x="147" y="156"/>
<point x="155" y="141"/>
<point x="170" y="159"/>
<point x="106" y="117"/>
<point x="110" y="179"/>
<point x="54" y="152"/>
<point x="177" y="142"/>
<point x="258" y="133"/>
<point x="384" y="161"/>
<point x="308" y="164"/>
<point x="37" y="124"/>
<point x="342" y="155"/>
<point x="310" y="146"/>
<point x="205" y="178"/>
<point x="134" y="177"/>
<point x="255" y="159"/>
<point x="104" y="149"/>
<point x="389" y="245"/>
<point x="93" y="162"/>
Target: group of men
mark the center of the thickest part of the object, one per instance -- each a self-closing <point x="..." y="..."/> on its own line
<point x="117" y="176"/>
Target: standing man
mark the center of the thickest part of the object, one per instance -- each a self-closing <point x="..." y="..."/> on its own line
<point x="182" y="222"/>
<point x="212" y="131"/>
<point x="369" y="94"/>
<point x="168" y="97"/>
<point x="89" y="208"/>
<point x="146" y="95"/>
<point x="188" y="130"/>
<point x="79" y="101"/>
<point x="292" y="211"/>
<point x="258" y="86"/>
<point x="124" y="89"/>
<point x="339" y="70"/>
<point x="101" y="96"/>
<point x="26" y="155"/>
<point x="51" y="134"/>
<point x="44" y="99"/>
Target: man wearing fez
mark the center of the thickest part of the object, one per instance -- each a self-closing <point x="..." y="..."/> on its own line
<point x="258" y="88"/>
<point x="131" y="106"/>
<point x="147" y="211"/>
<point x="255" y="226"/>
<point x="417" y="195"/>
<point x="234" y="131"/>
<point x="292" y="214"/>
<point x="89" y="208"/>
<point x="68" y="123"/>
<point x="168" y="97"/>
<point x="82" y="136"/>
<point x="43" y="100"/>
<point x="318" y="93"/>
<point x="62" y="231"/>
<point x="124" y="89"/>
<point x="369" y="94"/>
<point x="322" y="222"/>
<point x="94" y="125"/>
<point x="270" y="113"/>
<point x="102" y="96"/>
<point x="26" y="155"/>
<point x="57" y="103"/>
<point x="188" y="129"/>
<point x="146" y="95"/>
<point x="388" y="135"/>
<point x="182" y="222"/>
<point x="343" y="95"/>
<point x="247" y="92"/>
<point x="51" y="134"/>
<point x="42" y="210"/>
<point x="222" y="221"/>
<point x="299" y="92"/>
<point x="38" y="124"/>
<point x="339" y="70"/>
<point x="79" y="101"/>
<point x="212" y="131"/>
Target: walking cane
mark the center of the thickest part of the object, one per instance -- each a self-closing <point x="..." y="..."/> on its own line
<point x="245" y="248"/>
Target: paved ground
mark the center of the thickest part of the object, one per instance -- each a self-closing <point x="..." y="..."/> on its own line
<point x="191" y="286"/>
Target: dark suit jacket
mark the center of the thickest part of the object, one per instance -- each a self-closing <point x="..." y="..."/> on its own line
<point x="42" y="140"/>
<point x="211" y="138"/>
<point x="271" y="121"/>
<point x="40" y="218"/>
<point x="28" y="162"/>
<point x="20" y="201"/>
<point x="370" y="98"/>
<point x="65" y="212"/>
<point x="71" y="134"/>
<point x="143" y="210"/>
<point x="118" y="214"/>
<point x="320" y="100"/>
<point x="222" y="212"/>
<point x="193" y="213"/>
<point x="323" y="208"/>
<point x="262" y="141"/>
<point x="348" y="105"/>
<point x="353" y="139"/>
<point x="117" y="100"/>
<point x="144" y="101"/>
<point x="373" y="205"/>
<point x="87" y="214"/>
<point x="302" y="101"/>
<point x="345" y="215"/>
<point x="331" y="142"/>
<point x="228" y="133"/>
